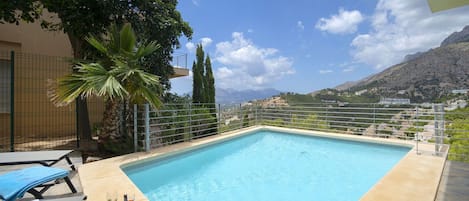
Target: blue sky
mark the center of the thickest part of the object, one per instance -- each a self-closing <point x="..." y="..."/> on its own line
<point x="305" y="45"/>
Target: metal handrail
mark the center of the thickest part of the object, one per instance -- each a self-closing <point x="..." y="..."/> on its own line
<point x="410" y="122"/>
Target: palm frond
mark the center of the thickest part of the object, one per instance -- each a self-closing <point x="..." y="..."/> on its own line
<point x="119" y="76"/>
<point x="97" y="44"/>
<point x="127" y="38"/>
<point x="114" y="39"/>
<point x="145" y="50"/>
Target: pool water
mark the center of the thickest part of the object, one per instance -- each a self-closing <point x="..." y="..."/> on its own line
<point x="268" y="166"/>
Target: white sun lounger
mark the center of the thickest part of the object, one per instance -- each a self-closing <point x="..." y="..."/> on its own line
<point x="45" y="158"/>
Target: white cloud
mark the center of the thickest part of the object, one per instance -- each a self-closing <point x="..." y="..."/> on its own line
<point x="190" y="46"/>
<point x="345" y="22"/>
<point x="348" y="69"/>
<point x="205" y="41"/>
<point x="325" y="71"/>
<point x="300" y="25"/>
<point x="250" y="30"/>
<point x="247" y="66"/>
<point x="401" y="27"/>
<point x="195" y="2"/>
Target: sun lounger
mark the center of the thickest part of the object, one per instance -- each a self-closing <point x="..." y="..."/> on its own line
<point x="74" y="198"/>
<point x="34" y="180"/>
<point x="46" y="158"/>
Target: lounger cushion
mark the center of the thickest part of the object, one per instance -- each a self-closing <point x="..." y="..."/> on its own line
<point x="14" y="184"/>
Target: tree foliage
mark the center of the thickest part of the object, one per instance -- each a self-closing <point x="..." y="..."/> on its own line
<point x="203" y="93"/>
<point x="308" y="122"/>
<point x="154" y="20"/>
<point x="458" y="131"/>
<point x="198" y="88"/>
<point x="203" y="90"/>
<point x="118" y="77"/>
<point x="209" y="82"/>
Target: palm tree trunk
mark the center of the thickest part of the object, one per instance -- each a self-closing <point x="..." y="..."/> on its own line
<point x="110" y="121"/>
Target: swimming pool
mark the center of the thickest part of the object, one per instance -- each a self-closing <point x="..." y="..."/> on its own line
<point x="268" y="165"/>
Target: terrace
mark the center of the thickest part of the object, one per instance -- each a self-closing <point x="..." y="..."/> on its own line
<point x="436" y="167"/>
<point x="175" y="128"/>
<point x="428" y="128"/>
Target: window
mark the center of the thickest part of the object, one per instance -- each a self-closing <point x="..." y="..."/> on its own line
<point x="5" y="84"/>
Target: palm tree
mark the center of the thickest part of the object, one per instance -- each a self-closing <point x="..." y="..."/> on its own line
<point x="117" y="78"/>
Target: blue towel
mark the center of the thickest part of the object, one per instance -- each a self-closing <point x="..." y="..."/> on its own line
<point x="14" y="184"/>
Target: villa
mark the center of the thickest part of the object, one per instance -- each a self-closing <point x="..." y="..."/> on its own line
<point x="331" y="148"/>
<point x="37" y="60"/>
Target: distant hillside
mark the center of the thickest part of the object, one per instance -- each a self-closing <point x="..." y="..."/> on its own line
<point x="457" y="37"/>
<point x="225" y="96"/>
<point x="422" y="77"/>
<point x="328" y="96"/>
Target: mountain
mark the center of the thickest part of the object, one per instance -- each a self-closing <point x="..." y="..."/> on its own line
<point x="457" y="37"/>
<point x="410" y="57"/>
<point x="226" y="96"/>
<point x="424" y="76"/>
<point x="343" y="86"/>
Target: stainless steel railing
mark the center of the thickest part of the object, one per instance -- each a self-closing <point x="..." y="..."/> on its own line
<point x="422" y="124"/>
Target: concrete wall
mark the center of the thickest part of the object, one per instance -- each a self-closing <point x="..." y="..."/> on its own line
<point x="40" y="56"/>
<point x="31" y="38"/>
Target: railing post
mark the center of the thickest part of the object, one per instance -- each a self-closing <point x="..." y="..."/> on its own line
<point x="147" y="127"/>
<point x="255" y="115"/>
<point x="374" y="120"/>
<point x="417" y="132"/>
<point x="135" y="128"/>
<point x="439" y="127"/>
<point x="327" y="114"/>
<point x="190" y="121"/>
<point x="12" y="101"/>
<point x="219" y="119"/>
<point x="241" y="115"/>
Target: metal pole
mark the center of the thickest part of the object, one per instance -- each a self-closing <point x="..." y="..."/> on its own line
<point x="190" y="121"/>
<point x="255" y="115"/>
<point x="327" y="114"/>
<point x="374" y="119"/>
<point x="439" y="127"/>
<point x="135" y="128"/>
<point x="442" y="128"/>
<point x="147" y="127"/>
<point x="219" y="118"/>
<point x="12" y="101"/>
<point x="241" y="115"/>
<point x="417" y="133"/>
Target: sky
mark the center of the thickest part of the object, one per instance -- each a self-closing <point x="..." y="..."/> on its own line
<point x="305" y="45"/>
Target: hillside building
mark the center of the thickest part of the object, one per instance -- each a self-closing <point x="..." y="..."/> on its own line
<point x="394" y="101"/>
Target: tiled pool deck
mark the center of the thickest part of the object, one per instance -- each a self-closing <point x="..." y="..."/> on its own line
<point x="415" y="177"/>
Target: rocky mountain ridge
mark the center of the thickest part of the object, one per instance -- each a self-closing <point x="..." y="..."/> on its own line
<point x="424" y="76"/>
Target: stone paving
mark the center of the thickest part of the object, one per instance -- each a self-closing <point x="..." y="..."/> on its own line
<point x="59" y="190"/>
<point x="454" y="184"/>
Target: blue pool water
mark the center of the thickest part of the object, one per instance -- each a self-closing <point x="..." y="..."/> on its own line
<point x="268" y="166"/>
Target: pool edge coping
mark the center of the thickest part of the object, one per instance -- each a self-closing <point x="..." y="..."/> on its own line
<point x="97" y="176"/>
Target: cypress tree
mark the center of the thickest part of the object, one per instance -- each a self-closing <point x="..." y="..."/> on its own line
<point x="198" y="95"/>
<point x="209" y="88"/>
<point x="210" y="93"/>
<point x="196" y="83"/>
